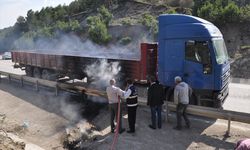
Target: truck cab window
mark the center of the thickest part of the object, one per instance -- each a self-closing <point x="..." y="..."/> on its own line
<point x="198" y="52"/>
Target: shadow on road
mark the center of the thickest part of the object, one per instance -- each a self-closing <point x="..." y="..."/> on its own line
<point x="71" y="106"/>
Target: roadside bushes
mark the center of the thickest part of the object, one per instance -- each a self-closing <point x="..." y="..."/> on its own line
<point x="221" y="12"/>
<point x="98" y="25"/>
<point x="151" y="22"/>
<point x="125" y="40"/>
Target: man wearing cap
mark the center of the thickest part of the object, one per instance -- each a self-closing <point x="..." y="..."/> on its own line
<point x="132" y="101"/>
<point x="181" y="98"/>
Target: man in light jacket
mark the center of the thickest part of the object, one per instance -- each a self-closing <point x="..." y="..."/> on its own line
<point x="181" y="98"/>
<point x="114" y="93"/>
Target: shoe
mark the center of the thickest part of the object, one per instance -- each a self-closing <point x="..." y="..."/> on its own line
<point x="129" y="131"/>
<point x="152" y="127"/>
<point x="121" y="131"/>
<point x="177" y="128"/>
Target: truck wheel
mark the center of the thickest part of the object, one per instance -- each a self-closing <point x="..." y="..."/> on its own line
<point x="37" y="73"/>
<point x="49" y="75"/>
<point x="29" y="71"/>
<point x="170" y="94"/>
<point x="45" y="74"/>
<point x="218" y="104"/>
<point x="193" y="100"/>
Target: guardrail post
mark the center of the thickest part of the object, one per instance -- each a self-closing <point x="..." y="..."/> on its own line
<point x="167" y="112"/>
<point x="36" y="85"/>
<point x="228" y="125"/>
<point x="9" y="78"/>
<point x="56" y="90"/>
<point x="0" y="77"/>
<point x="22" y="81"/>
<point x="198" y="100"/>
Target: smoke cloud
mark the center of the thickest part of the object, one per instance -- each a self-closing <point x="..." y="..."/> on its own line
<point x="65" y="104"/>
<point x="72" y="45"/>
<point x="102" y="71"/>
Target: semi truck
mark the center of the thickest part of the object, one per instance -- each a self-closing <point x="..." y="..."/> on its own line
<point x="188" y="46"/>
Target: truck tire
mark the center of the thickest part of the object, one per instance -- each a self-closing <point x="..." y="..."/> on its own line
<point x="45" y="74"/>
<point x="37" y="72"/>
<point x="29" y="71"/>
<point x="193" y="99"/>
<point x="170" y="94"/>
<point x="49" y="75"/>
<point x="218" y="104"/>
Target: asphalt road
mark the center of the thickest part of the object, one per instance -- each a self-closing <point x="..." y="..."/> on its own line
<point x="238" y="99"/>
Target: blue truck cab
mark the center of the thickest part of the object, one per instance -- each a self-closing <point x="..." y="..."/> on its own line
<point x="194" y="49"/>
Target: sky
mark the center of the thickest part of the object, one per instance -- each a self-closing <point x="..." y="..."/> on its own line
<point x="11" y="9"/>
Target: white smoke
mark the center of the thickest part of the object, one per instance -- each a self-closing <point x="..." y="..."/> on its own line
<point x="72" y="45"/>
<point x="102" y="71"/>
<point x="69" y="111"/>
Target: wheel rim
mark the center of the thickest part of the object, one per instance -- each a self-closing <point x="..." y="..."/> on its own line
<point x="45" y="74"/>
<point x="37" y="73"/>
<point x="29" y="71"/>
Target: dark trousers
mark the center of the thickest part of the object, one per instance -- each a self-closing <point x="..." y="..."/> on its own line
<point x="156" y="114"/>
<point x="132" y="117"/>
<point x="113" y="108"/>
<point x="181" y="111"/>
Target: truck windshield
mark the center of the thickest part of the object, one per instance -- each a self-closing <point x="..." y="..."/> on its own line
<point x="220" y="51"/>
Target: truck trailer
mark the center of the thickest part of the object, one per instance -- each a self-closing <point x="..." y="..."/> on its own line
<point x="188" y="46"/>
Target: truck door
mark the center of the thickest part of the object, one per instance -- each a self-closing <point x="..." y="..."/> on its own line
<point x="198" y="69"/>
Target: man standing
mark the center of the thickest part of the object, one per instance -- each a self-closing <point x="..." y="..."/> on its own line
<point x="181" y="98"/>
<point x="155" y="101"/>
<point x="114" y="93"/>
<point x="131" y="98"/>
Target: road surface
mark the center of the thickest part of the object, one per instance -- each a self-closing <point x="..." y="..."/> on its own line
<point x="239" y="98"/>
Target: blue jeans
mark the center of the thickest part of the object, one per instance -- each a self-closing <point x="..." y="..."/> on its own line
<point x="156" y="114"/>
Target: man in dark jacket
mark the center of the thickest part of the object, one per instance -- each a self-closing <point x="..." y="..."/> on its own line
<point x="132" y="101"/>
<point x="156" y="96"/>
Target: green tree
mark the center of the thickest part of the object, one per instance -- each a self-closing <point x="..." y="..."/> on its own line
<point x="245" y="14"/>
<point x="170" y="11"/>
<point x="105" y="15"/>
<point x="21" y="24"/>
<point x="231" y="13"/>
<point x="150" y="22"/>
<point x="98" y="31"/>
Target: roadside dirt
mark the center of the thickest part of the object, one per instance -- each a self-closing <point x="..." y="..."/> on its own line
<point x="39" y="112"/>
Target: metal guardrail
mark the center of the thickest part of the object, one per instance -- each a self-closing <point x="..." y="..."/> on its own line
<point x="214" y="113"/>
<point x="52" y="84"/>
<point x="194" y="110"/>
<point x="209" y="113"/>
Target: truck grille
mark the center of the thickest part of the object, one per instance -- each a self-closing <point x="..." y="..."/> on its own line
<point x="226" y="78"/>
